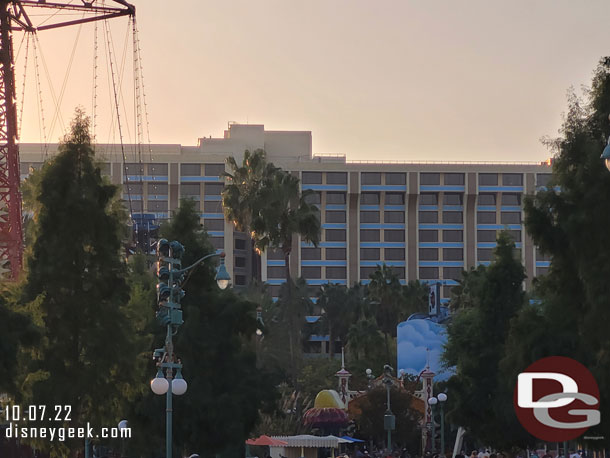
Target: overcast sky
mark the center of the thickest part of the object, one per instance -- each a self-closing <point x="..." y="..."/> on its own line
<point x="451" y="80"/>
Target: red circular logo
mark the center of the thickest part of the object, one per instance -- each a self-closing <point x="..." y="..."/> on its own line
<point x="556" y="399"/>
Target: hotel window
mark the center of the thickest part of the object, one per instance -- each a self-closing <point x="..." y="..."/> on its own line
<point x="133" y="169"/>
<point x="452" y="273"/>
<point x="488" y="179"/>
<point x="486" y="236"/>
<point x="484" y="254"/>
<point x="394" y="254"/>
<point x="335" y="198"/>
<point x="512" y="179"/>
<point x="366" y="272"/>
<point x="276" y="271"/>
<point x="311" y="272"/>
<point x="429" y="179"/>
<point x="190" y="170"/>
<point x="486" y="217"/>
<point x="218" y="243"/>
<point x="369" y="198"/>
<point x="369" y="235"/>
<point x="240" y="280"/>
<point x="393" y="217"/>
<point x="133" y="188"/>
<point x="454" y="179"/>
<point x="214" y="170"/>
<point x="157" y="205"/>
<point x="240" y="244"/>
<point x="136" y="205"/>
<point x="335" y="235"/>
<point x="428" y="273"/>
<point x="515" y="235"/>
<point x="335" y="217"/>
<point x="309" y="254"/>
<point x="394" y="198"/>
<point x="275" y="254"/>
<point x="369" y="217"/>
<point x="510" y="217"/>
<point x="428" y="254"/>
<point x="428" y="217"/>
<point x="336" y="254"/>
<point x="542" y="179"/>
<point x="453" y="254"/>
<point x="394" y="235"/>
<point x="395" y="178"/>
<point x="453" y="236"/>
<point x="212" y="206"/>
<point x="428" y="236"/>
<point x="157" y="189"/>
<point x="452" y="217"/>
<point x="398" y="271"/>
<point x="190" y="189"/>
<point x="311" y="178"/>
<point x="213" y="189"/>
<point x="540" y="256"/>
<point x="371" y="178"/>
<point x="240" y="261"/>
<point x="428" y="198"/>
<point x="214" y="224"/>
<point x="511" y="199"/>
<point x="313" y="197"/>
<point x="450" y="198"/>
<point x="157" y="169"/>
<point x="336" y="272"/>
<point x="487" y="199"/>
<point x="369" y="254"/>
<point x="336" y="178"/>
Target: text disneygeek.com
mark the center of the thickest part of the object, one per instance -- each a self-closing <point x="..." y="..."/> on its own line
<point x="60" y="433"/>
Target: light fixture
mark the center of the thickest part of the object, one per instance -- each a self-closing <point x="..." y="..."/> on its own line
<point x="179" y="385"/>
<point x="159" y="385"/>
<point x="432" y="401"/>
<point x="222" y="276"/>
<point x="442" y="397"/>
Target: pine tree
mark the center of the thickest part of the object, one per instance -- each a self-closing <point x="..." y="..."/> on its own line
<point x="76" y="283"/>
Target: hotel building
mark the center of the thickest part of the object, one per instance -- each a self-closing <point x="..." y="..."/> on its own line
<point x="429" y="221"/>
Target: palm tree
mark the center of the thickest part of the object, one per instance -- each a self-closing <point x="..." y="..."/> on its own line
<point x="385" y="291"/>
<point x="335" y="302"/>
<point x="364" y="338"/>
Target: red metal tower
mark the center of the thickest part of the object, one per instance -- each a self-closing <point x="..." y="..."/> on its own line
<point x="14" y="17"/>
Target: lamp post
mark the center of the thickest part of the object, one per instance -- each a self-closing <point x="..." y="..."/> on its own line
<point x="440" y="401"/>
<point x="169" y="293"/>
<point x="389" y="420"/>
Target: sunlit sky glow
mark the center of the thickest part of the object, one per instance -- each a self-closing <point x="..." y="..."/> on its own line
<point x="398" y="80"/>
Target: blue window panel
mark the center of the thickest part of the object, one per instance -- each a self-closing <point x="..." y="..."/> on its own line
<point x="316" y="262"/>
<point x="512" y="227"/>
<point x="493" y="245"/>
<point x="319" y="282"/>
<point x="543" y="263"/>
<point x="453" y="208"/>
<point x="433" y="208"/>
<point x="312" y="318"/>
<point x="325" y="187"/>
<point x="365" y="281"/>
<point x="369" y="207"/>
<point x="386" y="187"/>
<point x="382" y="244"/>
<point x="393" y="208"/>
<point x="441" y="263"/>
<point x="133" y="197"/>
<point x="441" y="226"/>
<point x="146" y="178"/>
<point x="382" y="226"/>
<point x="325" y="245"/>
<point x="212" y="198"/>
<point x="486" y="208"/>
<point x="403" y="281"/>
<point x="161" y="215"/>
<point x="501" y="188"/>
<point x="317" y="338"/>
<point x="200" y="179"/>
<point x="216" y="233"/>
<point x="444" y="300"/>
<point x="483" y="263"/>
<point x="441" y="245"/>
<point x="442" y="282"/>
<point x="378" y="263"/>
<point x="276" y="262"/>
<point x="157" y="197"/>
<point x="334" y="226"/>
<point x="335" y="207"/>
<point x="196" y="198"/>
<point x="510" y="208"/>
<point x="424" y="187"/>
<point x="276" y="281"/>
<point x="212" y="215"/>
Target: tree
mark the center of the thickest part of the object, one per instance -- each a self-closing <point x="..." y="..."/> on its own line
<point x="76" y="284"/>
<point x="476" y="345"/>
<point x="334" y="300"/>
<point x="225" y="388"/>
<point x="385" y="292"/>
<point x="569" y="222"/>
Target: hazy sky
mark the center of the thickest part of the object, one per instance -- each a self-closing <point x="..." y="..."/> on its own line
<point x="372" y="79"/>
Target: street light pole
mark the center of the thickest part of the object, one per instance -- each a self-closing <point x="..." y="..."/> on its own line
<point x="169" y="293"/>
<point x="389" y="420"/>
<point x="442" y="398"/>
<point x="433" y="401"/>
